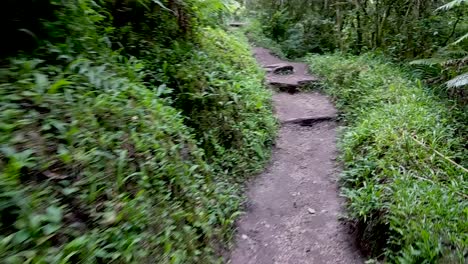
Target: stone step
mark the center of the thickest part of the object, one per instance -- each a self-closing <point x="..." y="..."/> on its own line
<point x="279" y="68"/>
<point x="291" y="85"/>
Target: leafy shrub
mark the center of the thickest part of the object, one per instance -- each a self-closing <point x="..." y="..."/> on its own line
<point x="255" y="34"/>
<point x="102" y="166"/>
<point x="311" y="35"/>
<point x="222" y="85"/>
<point x="110" y="158"/>
<point x="398" y="151"/>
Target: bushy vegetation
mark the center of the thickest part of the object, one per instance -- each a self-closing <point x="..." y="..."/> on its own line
<point x="431" y="34"/>
<point x="126" y="130"/>
<point x="403" y="29"/>
<point x="256" y="36"/>
<point x="405" y="155"/>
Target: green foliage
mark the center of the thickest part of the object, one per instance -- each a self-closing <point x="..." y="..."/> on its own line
<point x="402" y="29"/>
<point x="409" y="199"/>
<point x="446" y="64"/>
<point x="276" y="25"/>
<point x="223" y="86"/>
<point x="255" y="34"/>
<point x="125" y="134"/>
<point x="311" y="35"/>
<point x="452" y="61"/>
<point x="104" y="157"/>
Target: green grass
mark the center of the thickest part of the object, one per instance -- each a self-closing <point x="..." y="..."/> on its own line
<point x="410" y="202"/>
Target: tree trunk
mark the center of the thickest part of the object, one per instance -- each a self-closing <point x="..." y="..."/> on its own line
<point x="339" y="25"/>
<point x="376" y="24"/>
<point x="358" y="26"/>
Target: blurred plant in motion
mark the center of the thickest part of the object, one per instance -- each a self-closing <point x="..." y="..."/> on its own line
<point x="127" y="128"/>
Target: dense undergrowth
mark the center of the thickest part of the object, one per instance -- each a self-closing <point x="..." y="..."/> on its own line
<point x="399" y="150"/>
<point x="253" y="31"/>
<point x="125" y="132"/>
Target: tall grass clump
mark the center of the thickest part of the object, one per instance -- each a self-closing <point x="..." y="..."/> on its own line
<point x="404" y="158"/>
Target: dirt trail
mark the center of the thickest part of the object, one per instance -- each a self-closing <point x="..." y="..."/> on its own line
<point x="293" y="207"/>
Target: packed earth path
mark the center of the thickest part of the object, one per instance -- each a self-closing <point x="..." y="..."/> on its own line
<point x="293" y="208"/>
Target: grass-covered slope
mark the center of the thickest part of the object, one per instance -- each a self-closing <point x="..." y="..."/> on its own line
<point x="221" y="92"/>
<point x="409" y="198"/>
<point x="113" y="153"/>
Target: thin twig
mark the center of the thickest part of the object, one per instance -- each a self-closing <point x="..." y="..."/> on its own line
<point x="426" y="179"/>
<point x="440" y="154"/>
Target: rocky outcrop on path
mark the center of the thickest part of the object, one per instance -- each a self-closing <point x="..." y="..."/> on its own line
<point x="284" y="76"/>
<point x="237" y="24"/>
<point x="279" y="68"/>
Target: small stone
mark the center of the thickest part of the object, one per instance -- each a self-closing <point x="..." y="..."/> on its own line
<point x="244" y="236"/>
<point x="311" y="211"/>
<point x="280" y="68"/>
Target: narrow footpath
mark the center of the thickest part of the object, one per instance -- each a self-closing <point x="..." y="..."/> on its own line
<point x="293" y="208"/>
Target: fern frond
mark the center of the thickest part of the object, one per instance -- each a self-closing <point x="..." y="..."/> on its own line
<point x="453" y="53"/>
<point x="458" y="41"/>
<point x="451" y="5"/>
<point x="428" y="62"/>
<point x="459" y="81"/>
